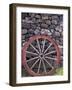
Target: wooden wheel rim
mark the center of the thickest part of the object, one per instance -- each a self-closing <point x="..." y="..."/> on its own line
<point x="24" y="49"/>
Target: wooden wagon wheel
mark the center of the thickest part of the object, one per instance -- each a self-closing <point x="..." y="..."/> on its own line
<point x="40" y="55"/>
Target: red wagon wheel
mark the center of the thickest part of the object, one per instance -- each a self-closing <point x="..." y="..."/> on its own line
<point x="40" y="55"/>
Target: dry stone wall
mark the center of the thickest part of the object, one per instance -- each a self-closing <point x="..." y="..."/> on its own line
<point x="47" y="24"/>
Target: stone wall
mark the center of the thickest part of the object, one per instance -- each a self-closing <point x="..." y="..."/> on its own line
<point x="47" y="24"/>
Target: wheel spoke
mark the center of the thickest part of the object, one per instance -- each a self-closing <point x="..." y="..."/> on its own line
<point x="34" y="63"/>
<point x="43" y="45"/>
<point x="38" y="45"/>
<point x="44" y="66"/>
<point x="50" y="58"/>
<point x="50" y="52"/>
<point x="32" y="59"/>
<point x="39" y="66"/>
<point x="31" y="53"/>
<point x="34" y="48"/>
<point x="48" y="63"/>
<point x="48" y="48"/>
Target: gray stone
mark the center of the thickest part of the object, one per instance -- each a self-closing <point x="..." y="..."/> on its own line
<point x="23" y="20"/>
<point x="27" y="21"/>
<point x="44" y="25"/>
<point x="23" y="37"/>
<point x="61" y="24"/>
<point x="52" y="26"/>
<point x="61" y="18"/>
<point x="32" y="15"/>
<point x="61" y="41"/>
<point x="59" y="28"/>
<point x="49" y="33"/>
<point x="49" y="17"/>
<point x="30" y="35"/>
<point x="27" y="18"/>
<point x="38" y="28"/>
<point x="38" y="25"/>
<point x="34" y="19"/>
<point x="27" y="36"/>
<point x="31" y="30"/>
<point x="52" y="30"/>
<point x="54" y="22"/>
<point x="45" y="31"/>
<point x="44" y="17"/>
<point x="37" y="16"/>
<point x="26" y="26"/>
<point x="24" y="31"/>
<point x="57" y="34"/>
<point x="24" y="15"/>
<point x="39" y="21"/>
<point x="48" y="22"/>
<point x="55" y="17"/>
<point x="61" y="34"/>
<point x="36" y="31"/>
<point x="23" y="41"/>
<point x="33" y="26"/>
<point x="42" y="31"/>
